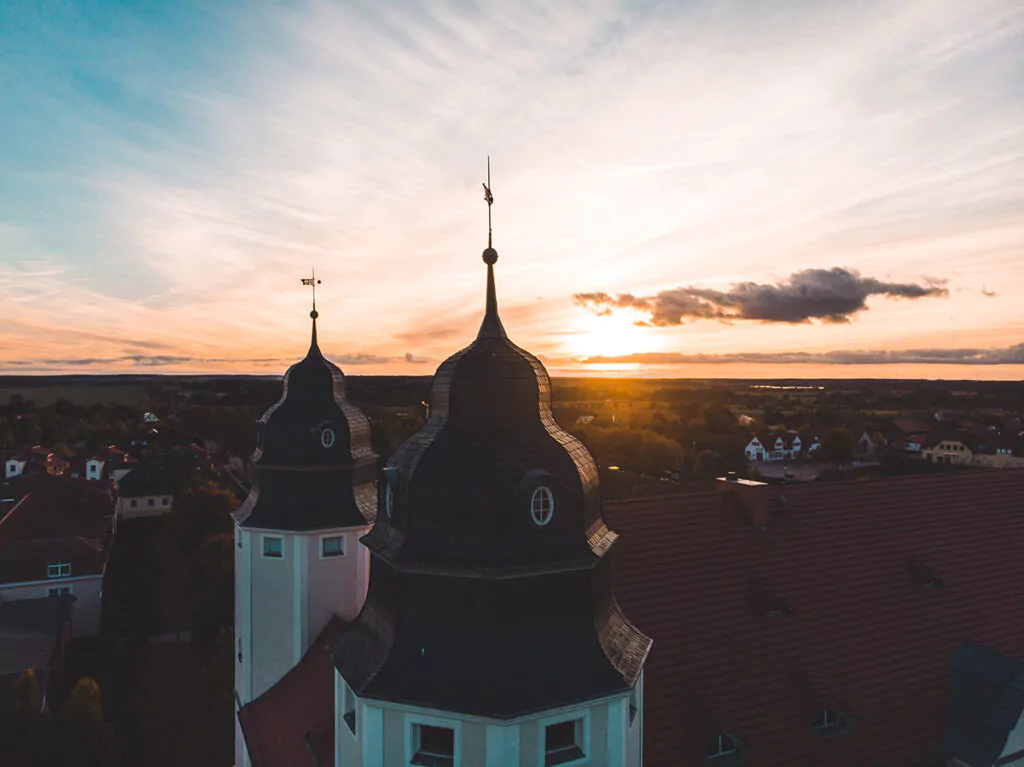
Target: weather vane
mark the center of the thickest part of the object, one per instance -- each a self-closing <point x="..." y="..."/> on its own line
<point x="490" y="200"/>
<point x="312" y="282"/>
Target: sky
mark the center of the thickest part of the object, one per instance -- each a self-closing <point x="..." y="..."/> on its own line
<point x="702" y="189"/>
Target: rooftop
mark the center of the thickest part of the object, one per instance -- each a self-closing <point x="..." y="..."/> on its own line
<point x="861" y="632"/>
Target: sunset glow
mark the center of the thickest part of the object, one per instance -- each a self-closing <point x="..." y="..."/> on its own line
<point x="168" y="182"/>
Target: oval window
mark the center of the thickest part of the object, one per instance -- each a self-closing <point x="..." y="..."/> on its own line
<point x="542" y="505"/>
<point x="327" y="437"/>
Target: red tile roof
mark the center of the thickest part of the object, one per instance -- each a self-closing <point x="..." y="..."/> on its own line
<point x="292" y="723"/>
<point x="860" y="633"/>
<point x="54" y="518"/>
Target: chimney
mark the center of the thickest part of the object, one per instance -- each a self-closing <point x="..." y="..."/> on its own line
<point x="749" y="495"/>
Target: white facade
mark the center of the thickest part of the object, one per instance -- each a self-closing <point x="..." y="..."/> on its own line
<point x="94" y="469"/>
<point x="13" y="467"/>
<point x="300" y="580"/>
<point x="144" y="506"/>
<point x="86" y="589"/>
<point x="604" y="733"/>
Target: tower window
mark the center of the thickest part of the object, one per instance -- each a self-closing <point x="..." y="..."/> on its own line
<point x="58" y="591"/>
<point x="724" y="745"/>
<point x="327" y="437"/>
<point x="542" y="505"/>
<point x="332" y="546"/>
<point x="563" y="742"/>
<point x="433" y="746"/>
<point x="273" y="548"/>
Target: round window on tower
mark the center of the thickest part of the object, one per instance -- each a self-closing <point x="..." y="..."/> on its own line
<point x="542" y="505"/>
<point x="327" y="437"/>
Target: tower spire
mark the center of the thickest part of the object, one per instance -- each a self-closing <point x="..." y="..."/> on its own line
<point x="491" y="327"/>
<point x="312" y="282"/>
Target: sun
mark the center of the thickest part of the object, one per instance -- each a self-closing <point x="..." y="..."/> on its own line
<point x="613" y="335"/>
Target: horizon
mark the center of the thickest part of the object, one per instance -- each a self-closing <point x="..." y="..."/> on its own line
<point x="681" y="191"/>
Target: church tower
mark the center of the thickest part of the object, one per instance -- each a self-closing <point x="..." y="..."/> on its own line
<point x="490" y="634"/>
<point x="298" y="561"/>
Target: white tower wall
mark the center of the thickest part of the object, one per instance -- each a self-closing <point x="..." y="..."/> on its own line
<point x="283" y="603"/>
<point x="385" y="733"/>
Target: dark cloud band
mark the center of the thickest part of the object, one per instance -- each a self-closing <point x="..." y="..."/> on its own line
<point x="827" y="295"/>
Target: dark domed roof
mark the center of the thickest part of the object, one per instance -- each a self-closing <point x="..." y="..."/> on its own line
<point x="462" y="488"/>
<point x="492" y="554"/>
<point x="315" y="467"/>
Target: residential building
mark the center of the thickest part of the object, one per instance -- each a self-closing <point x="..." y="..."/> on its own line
<point x="34" y="636"/>
<point x="55" y="537"/>
<point x="144" y="491"/>
<point x="778" y="445"/>
<point x="14" y="464"/>
<point x="949" y="450"/>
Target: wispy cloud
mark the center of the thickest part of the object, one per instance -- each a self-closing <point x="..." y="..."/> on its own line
<point x="634" y="144"/>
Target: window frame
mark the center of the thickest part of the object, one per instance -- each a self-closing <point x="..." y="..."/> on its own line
<point x="59" y="591"/>
<point x="349" y="704"/>
<point x="831" y="720"/>
<point x="540" y="494"/>
<point x="582" y="721"/>
<point x="327" y="437"/>
<point x="58" y="569"/>
<point x="720" y="751"/>
<point x="330" y="536"/>
<point x="263" y="546"/>
<point x="415" y="721"/>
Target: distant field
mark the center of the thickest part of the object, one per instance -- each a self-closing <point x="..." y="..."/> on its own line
<point x="132" y="395"/>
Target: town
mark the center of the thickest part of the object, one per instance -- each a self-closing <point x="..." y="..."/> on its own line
<point x="116" y="567"/>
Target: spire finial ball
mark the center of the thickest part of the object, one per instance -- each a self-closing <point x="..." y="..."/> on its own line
<point x="314" y="314"/>
<point x="490" y="256"/>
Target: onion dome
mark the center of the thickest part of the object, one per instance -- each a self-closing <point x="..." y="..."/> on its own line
<point x="489" y="591"/>
<point x="313" y="461"/>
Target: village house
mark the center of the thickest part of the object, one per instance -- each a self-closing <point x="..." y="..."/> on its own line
<point x="55" y="536"/>
<point x="144" y="492"/>
<point x="777" y="445"/>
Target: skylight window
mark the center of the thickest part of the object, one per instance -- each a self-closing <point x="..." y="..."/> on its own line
<point x="827" y="719"/>
<point x="724" y="745"/>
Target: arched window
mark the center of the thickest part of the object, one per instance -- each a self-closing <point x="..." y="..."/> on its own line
<point x="827" y="719"/>
<point x="723" y="745"/>
<point x="542" y="505"/>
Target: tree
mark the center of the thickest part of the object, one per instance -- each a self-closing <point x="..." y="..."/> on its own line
<point x="201" y="512"/>
<point x="210" y="589"/>
<point x="837" y="447"/>
<point x="708" y="464"/>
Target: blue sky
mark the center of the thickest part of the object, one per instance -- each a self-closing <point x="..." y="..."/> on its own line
<point x="170" y="170"/>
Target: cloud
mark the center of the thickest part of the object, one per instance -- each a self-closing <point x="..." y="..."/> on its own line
<point x="414" y="360"/>
<point x="1010" y="355"/>
<point x="138" y="360"/>
<point x="986" y="292"/>
<point x="828" y="295"/>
